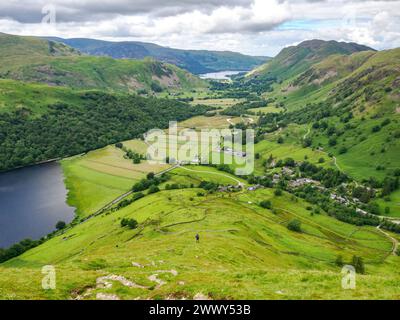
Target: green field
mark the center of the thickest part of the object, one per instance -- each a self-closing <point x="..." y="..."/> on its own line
<point x="101" y="176"/>
<point x="268" y="109"/>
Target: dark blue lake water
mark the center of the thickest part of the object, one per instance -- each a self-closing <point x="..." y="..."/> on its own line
<point x="32" y="201"/>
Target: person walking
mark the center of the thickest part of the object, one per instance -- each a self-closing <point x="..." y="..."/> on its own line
<point x="197" y="238"/>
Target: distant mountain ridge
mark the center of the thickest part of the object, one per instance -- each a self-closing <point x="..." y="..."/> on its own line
<point x="297" y="59"/>
<point x="194" y="61"/>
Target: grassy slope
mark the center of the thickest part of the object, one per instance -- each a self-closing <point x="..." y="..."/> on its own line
<point x="16" y="95"/>
<point x="365" y="75"/>
<point x="264" y="259"/>
<point x="294" y="60"/>
<point x="36" y="60"/>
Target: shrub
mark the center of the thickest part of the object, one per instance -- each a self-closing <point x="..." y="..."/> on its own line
<point x="332" y="142"/>
<point x="130" y="223"/>
<point x="137" y="196"/>
<point x="385" y="122"/>
<point x="153" y="189"/>
<point x="294" y="225"/>
<point x="266" y="204"/>
<point x="60" y="225"/>
<point x="321" y="160"/>
<point x="376" y="129"/>
<point x="289" y="162"/>
<point x="339" y="261"/>
<point x="150" y="176"/>
<point x="278" y="192"/>
<point x="358" y="264"/>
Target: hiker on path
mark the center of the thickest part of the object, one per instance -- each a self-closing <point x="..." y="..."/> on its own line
<point x="197" y="238"/>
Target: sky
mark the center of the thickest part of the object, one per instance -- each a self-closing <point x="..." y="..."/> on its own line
<point x="255" y="27"/>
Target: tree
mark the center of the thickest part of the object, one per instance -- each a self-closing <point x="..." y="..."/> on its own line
<point x="266" y="204"/>
<point x="289" y="162"/>
<point x="280" y="140"/>
<point x="358" y="264"/>
<point x="376" y="129"/>
<point x="130" y="223"/>
<point x="307" y="142"/>
<point x="150" y="176"/>
<point x="154" y="189"/>
<point x="137" y="196"/>
<point x="60" y="225"/>
<point x="294" y="225"/>
<point x="332" y="142"/>
<point x="339" y="261"/>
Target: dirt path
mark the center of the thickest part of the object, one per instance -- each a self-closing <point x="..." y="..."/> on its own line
<point x="394" y="241"/>
<point x="307" y="134"/>
<point x="334" y="160"/>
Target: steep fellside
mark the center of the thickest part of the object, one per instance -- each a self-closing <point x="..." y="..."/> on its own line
<point x="296" y="59"/>
<point x="36" y="60"/>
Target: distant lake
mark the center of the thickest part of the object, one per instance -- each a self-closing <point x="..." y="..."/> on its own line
<point x="222" y="75"/>
<point x="32" y="201"/>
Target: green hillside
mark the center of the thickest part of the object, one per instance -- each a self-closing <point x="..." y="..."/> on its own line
<point x="345" y="106"/>
<point x="356" y="96"/>
<point x="245" y="251"/>
<point x="296" y="59"/>
<point x="37" y="60"/>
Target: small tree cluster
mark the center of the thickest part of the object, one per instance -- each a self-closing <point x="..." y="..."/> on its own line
<point x="130" y="223"/>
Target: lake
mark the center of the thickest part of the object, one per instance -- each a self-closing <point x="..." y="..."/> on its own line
<point x="32" y="201"/>
<point x="222" y="75"/>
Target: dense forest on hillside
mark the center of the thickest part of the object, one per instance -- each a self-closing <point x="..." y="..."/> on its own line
<point x="67" y="130"/>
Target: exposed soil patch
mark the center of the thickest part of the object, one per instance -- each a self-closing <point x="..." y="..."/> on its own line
<point x="105" y="282"/>
<point x="105" y="296"/>
<point x="200" y="296"/>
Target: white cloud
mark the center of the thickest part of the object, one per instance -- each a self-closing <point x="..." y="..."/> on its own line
<point x="260" y="27"/>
